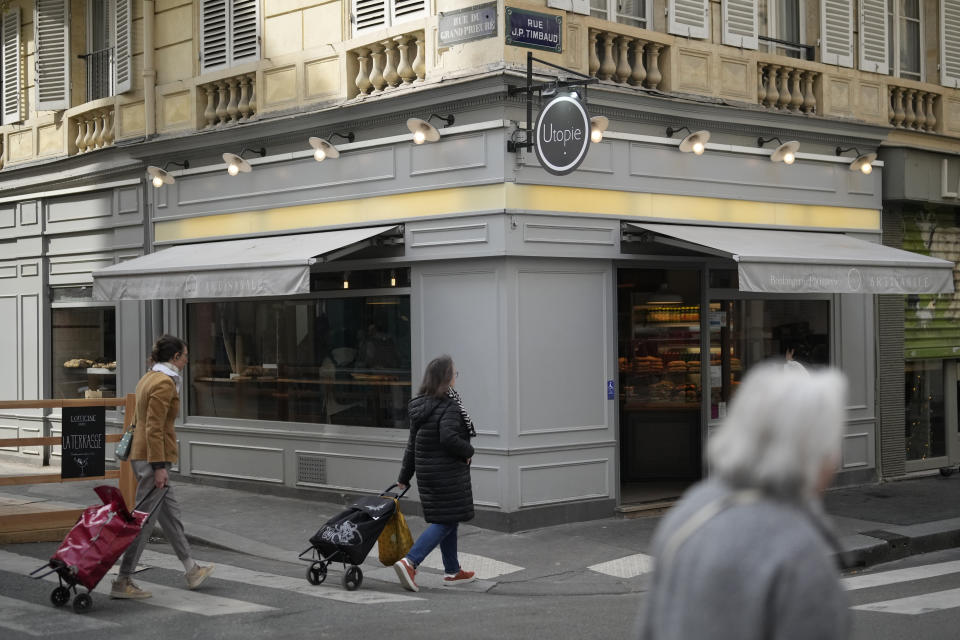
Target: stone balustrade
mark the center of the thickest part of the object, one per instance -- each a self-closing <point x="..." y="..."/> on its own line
<point x="625" y="59"/>
<point x="228" y="101"/>
<point x="784" y="87"/>
<point x="910" y="108"/>
<point x="95" y="129"/>
<point x="395" y="62"/>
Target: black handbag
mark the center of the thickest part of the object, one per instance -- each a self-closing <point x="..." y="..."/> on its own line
<point x="122" y="452"/>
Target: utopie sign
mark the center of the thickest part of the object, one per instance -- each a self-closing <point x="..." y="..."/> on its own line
<point x="83" y="442"/>
<point x="562" y="135"/>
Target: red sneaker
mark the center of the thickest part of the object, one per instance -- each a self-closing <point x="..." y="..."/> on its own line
<point x="406" y="573"/>
<point x="461" y="577"/>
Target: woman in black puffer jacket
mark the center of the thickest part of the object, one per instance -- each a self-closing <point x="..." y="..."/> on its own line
<point x="439" y="451"/>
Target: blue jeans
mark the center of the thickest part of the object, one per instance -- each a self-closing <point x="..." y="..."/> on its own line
<point x="435" y="534"/>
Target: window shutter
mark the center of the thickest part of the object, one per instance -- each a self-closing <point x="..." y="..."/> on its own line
<point x="950" y="43"/>
<point x="11" y="67"/>
<point x="402" y="10"/>
<point x="369" y="14"/>
<point x="244" y="30"/>
<point x="213" y="34"/>
<point x="836" y="32"/>
<point x="688" y="18"/>
<point x="740" y="23"/>
<point x="123" y="73"/>
<point x="52" y="38"/>
<point x="873" y="36"/>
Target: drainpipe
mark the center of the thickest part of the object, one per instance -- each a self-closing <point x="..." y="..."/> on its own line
<point x="149" y="73"/>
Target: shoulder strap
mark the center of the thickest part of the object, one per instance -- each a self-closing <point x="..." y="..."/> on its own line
<point x="700" y="517"/>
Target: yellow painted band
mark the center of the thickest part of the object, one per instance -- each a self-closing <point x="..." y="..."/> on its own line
<point x="520" y="198"/>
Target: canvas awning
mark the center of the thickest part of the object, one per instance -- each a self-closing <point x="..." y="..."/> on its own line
<point x="774" y="261"/>
<point x="274" y="266"/>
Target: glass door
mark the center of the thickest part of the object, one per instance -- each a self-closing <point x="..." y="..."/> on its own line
<point x="925" y="414"/>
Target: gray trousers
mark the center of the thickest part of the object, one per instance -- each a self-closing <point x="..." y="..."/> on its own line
<point x="165" y="510"/>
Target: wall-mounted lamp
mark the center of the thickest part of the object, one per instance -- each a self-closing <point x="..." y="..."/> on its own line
<point x="346" y="279"/>
<point x="694" y="141"/>
<point x="393" y="278"/>
<point x="323" y="149"/>
<point x="785" y="153"/>
<point x="160" y="177"/>
<point x="863" y="161"/>
<point x="598" y="124"/>
<point x="236" y="163"/>
<point x="423" y="131"/>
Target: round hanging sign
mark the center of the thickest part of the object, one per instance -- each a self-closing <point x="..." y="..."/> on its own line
<point x="562" y="135"/>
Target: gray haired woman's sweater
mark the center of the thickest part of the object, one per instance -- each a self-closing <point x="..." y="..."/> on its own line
<point x="761" y="570"/>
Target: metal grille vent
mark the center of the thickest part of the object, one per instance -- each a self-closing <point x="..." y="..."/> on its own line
<point x="311" y="468"/>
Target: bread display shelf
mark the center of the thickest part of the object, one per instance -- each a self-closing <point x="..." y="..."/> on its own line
<point x="101" y="371"/>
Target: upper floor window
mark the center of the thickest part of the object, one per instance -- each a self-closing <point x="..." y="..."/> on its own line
<point x="108" y="48"/>
<point x="904" y="39"/>
<point x="950" y="43"/>
<point x="51" y="30"/>
<point x="10" y="72"/>
<point x="632" y="12"/>
<point x="230" y="33"/>
<point x="782" y="28"/>
<point x="369" y="15"/>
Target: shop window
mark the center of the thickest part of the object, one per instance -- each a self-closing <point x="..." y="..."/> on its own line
<point x="334" y="360"/>
<point x="925" y="428"/>
<point x="84" y="353"/>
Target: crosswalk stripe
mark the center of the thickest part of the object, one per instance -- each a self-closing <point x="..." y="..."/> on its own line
<point x="626" y="567"/>
<point x="167" y="597"/>
<point x="900" y="575"/>
<point x="485" y="568"/>
<point x="43" y="620"/>
<point x="273" y="581"/>
<point x="916" y="605"/>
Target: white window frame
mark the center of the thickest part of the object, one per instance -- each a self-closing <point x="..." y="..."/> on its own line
<point x="893" y="46"/>
<point x="612" y="10"/>
<point x="773" y="29"/>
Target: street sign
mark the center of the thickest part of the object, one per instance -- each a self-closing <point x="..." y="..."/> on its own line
<point x="534" y="30"/>
<point x="83" y="442"/>
<point x="464" y="25"/>
<point x="562" y="134"/>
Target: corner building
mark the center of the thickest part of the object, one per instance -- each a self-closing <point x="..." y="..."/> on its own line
<point x="600" y="320"/>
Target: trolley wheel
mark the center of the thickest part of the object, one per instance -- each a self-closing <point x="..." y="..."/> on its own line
<point x="316" y="573"/>
<point x="946" y="472"/>
<point x="82" y="603"/>
<point x="352" y="578"/>
<point x="60" y="596"/>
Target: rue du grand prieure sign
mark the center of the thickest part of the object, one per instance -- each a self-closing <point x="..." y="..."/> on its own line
<point x="562" y="134"/>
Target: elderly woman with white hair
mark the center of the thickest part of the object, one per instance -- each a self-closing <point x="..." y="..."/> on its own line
<point x="746" y="553"/>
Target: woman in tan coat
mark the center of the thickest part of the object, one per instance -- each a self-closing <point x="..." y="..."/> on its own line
<point x="154" y="450"/>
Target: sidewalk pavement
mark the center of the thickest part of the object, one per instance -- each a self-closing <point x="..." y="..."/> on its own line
<point x="876" y="523"/>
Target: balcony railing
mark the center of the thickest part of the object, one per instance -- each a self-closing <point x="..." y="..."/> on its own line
<point x="228" y="101"/>
<point x="785" y="87"/>
<point x="625" y="59"/>
<point x="911" y="108"/>
<point x="388" y="64"/>
<point x="94" y="128"/>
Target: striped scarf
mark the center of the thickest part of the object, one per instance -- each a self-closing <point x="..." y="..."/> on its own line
<point x="453" y="395"/>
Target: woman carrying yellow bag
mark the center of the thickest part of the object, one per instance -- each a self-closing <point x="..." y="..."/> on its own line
<point x="395" y="540"/>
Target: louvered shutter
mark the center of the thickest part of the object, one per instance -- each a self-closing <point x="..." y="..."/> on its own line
<point x="688" y="18"/>
<point x="244" y="30"/>
<point x="836" y="32"/>
<point x="402" y="10"/>
<point x="11" y="67"/>
<point x="52" y="38"/>
<point x="740" y="23"/>
<point x="874" y="54"/>
<point x="213" y="34"/>
<point x="122" y="40"/>
<point x="369" y="14"/>
<point x="950" y="43"/>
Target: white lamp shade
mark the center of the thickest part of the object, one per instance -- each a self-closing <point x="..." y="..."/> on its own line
<point x="598" y="124"/>
<point x="232" y="159"/>
<point x="428" y="132"/>
<point x="696" y="142"/>
<point x="863" y="163"/>
<point x="786" y="152"/>
<point x="329" y="151"/>
<point x="159" y="175"/>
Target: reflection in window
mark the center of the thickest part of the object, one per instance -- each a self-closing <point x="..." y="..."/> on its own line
<point x="84" y="353"/>
<point x="925" y="426"/>
<point x="326" y="360"/>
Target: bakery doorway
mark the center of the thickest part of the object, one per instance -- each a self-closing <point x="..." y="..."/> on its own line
<point x="660" y="398"/>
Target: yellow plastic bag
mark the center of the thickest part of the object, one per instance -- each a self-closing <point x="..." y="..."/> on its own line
<point x="395" y="539"/>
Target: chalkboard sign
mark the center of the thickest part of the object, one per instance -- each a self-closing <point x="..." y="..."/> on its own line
<point x="84" y="439"/>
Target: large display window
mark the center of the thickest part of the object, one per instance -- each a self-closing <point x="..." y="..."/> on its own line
<point x="84" y="352"/>
<point x="331" y="360"/>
